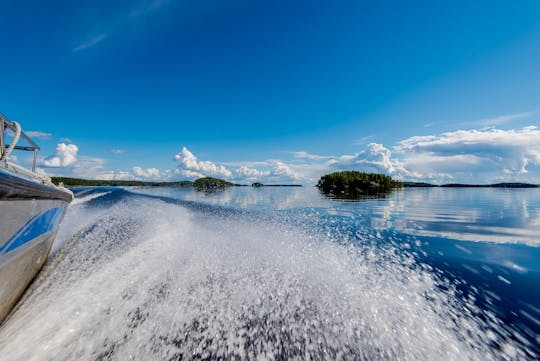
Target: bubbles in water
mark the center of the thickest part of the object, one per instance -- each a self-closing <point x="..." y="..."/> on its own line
<point x="143" y="279"/>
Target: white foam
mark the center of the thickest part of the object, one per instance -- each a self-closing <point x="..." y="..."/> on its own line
<point x="84" y="199"/>
<point x="152" y="280"/>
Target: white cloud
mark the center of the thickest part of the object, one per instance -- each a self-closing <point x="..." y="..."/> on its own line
<point x="135" y="173"/>
<point x="248" y="173"/>
<point x="474" y="155"/>
<point x="84" y="167"/>
<point x="65" y="156"/>
<point x="146" y="173"/>
<point x="37" y="134"/>
<point x="283" y="170"/>
<point x="271" y="171"/>
<point x="115" y="175"/>
<point x="471" y="156"/>
<point x="87" y="167"/>
<point x="375" y="159"/>
<point x="93" y="41"/>
<point x="189" y="166"/>
<point x="66" y="140"/>
<point x="67" y="162"/>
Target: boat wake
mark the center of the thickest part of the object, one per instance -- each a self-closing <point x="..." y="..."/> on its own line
<point x="141" y="278"/>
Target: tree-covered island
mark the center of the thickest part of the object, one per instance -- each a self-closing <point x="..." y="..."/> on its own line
<point x="354" y="184"/>
<point x="211" y="184"/>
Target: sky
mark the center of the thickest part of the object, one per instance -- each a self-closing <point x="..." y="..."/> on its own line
<point x="275" y="91"/>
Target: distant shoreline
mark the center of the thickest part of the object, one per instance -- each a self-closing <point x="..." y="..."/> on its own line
<point x="76" y="182"/>
<point x="463" y="185"/>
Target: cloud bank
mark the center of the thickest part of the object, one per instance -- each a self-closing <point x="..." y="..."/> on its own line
<point x="473" y="154"/>
<point x="468" y="156"/>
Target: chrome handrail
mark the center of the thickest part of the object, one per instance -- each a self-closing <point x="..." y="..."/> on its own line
<point x="6" y="124"/>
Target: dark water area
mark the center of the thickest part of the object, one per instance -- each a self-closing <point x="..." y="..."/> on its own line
<point x="286" y="273"/>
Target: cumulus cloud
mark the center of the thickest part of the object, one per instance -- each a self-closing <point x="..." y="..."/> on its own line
<point x="189" y="166"/>
<point x="146" y="173"/>
<point x="67" y="162"/>
<point x="84" y="167"/>
<point x="473" y="153"/>
<point x="273" y="170"/>
<point x="281" y="169"/>
<point x="376" y="158"/>
<point x="270" y="171"/>
<point x="248" y="173"/>
<point x="65" y="156"/>
<point x="472" y="156"/>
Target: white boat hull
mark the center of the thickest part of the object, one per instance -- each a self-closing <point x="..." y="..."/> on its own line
<point x="28" y="226"/>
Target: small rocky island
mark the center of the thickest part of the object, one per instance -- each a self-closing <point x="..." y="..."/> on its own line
<point x="354" y="184"/>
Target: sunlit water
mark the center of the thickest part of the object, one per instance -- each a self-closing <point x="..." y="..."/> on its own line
<point x="284" y="273"/>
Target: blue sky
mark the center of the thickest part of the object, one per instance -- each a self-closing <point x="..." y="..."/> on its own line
<point x="276" y="90"/>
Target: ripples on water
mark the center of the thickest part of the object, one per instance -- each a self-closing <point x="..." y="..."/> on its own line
<point x="180" y="275"/>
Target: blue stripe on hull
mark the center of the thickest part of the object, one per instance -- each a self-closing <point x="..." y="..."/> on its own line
<point x="33" y="228"/>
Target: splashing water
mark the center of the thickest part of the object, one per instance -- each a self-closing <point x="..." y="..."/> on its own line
<point x="145" y="279"/>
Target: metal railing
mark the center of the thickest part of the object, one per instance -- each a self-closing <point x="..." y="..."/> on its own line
<point x="13" y="126"/>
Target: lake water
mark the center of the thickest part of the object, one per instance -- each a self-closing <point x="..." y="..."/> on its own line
<point x="285" y="273"/>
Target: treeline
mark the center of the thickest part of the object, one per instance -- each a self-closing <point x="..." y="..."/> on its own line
<point x="77" y="182"/>
<point x="463" y="185"/>
<point x="205" y="183"/>
<point x="353" y="183"/>
<point x="209" y="183"/>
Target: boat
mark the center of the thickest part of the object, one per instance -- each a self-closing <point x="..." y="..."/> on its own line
<point x="31" y="209"/>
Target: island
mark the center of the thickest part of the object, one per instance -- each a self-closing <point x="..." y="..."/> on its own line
<point x="211" y="184"/>
<point x="258" y="185"/>
<point x="354" y="184"/>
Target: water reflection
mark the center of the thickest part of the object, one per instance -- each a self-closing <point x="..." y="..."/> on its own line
<point x="253" y="198"/>
<point x="469" y="214"/>
<point x="359" y="195"/>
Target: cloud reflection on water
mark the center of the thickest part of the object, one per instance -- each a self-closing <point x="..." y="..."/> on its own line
<point x="467" y="214"/>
